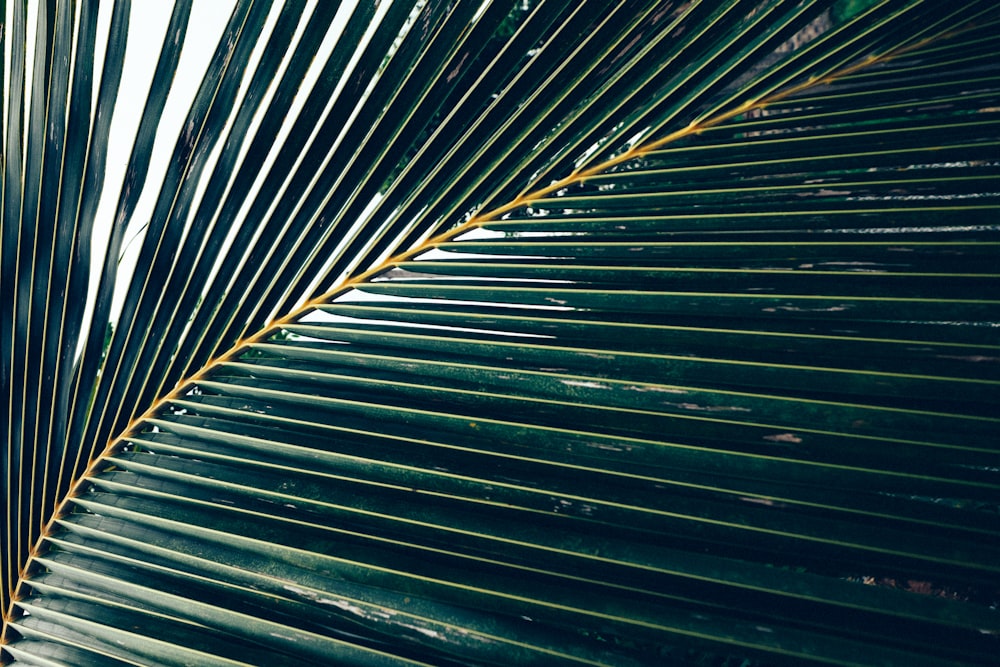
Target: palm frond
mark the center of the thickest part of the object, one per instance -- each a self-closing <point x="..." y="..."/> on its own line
<point x="528" y="333"/>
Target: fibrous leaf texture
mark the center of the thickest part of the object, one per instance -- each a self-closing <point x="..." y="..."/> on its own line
<point x="517" y="333"/>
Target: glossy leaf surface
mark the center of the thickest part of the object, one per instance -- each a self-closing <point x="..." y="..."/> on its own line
<point x="512" y="333"/>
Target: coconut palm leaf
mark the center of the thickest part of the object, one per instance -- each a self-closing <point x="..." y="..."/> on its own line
<point x="504" y="333"/>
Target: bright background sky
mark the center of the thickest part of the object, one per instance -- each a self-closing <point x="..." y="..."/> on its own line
<point x="148" y="22"/>
<point x="147" y="28"/>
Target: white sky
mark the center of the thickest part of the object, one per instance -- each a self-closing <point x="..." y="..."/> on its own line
<point x="149" y="19"/>
<point x="148" y="23"/>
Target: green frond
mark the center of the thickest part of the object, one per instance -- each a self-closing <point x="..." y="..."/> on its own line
<point x="538" y="332"/>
